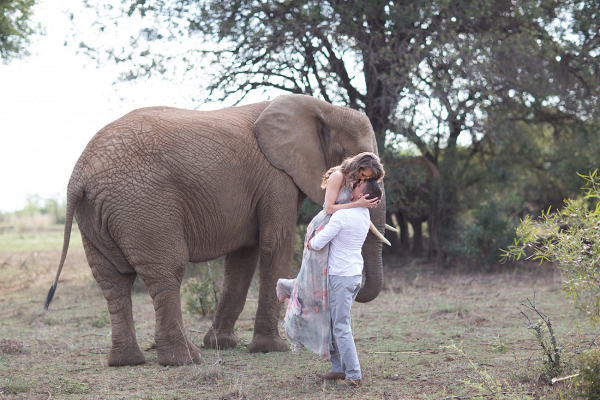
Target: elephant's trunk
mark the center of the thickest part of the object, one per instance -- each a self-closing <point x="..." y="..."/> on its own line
<point x="373" y="269"/>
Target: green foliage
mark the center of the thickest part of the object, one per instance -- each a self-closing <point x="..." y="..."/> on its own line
<point x="588" y="380"/>
<point x="16" y="386"/>
<point x="308" y="211"/>
<point x="102" y="321"/>
<point x="68" y="386"/>
<point x="496" y="94"/>
<point x="485" y="383"/>
<point x="201" y="293"/>
<point x="543" y="332"/>
<point x="570" y="238"/>
<point x="15" y="28"/>
<point x="410" y="185"/>
<point x="484" y="230"/>
<point x="45" y="206"/>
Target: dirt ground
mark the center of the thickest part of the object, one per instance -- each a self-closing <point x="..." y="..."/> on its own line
<point x="431" y="334"/>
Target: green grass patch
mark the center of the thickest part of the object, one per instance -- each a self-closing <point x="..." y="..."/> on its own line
<point x="67" y="386"/>
<point x="15" y="386"/>
<point x="41" y="240"/>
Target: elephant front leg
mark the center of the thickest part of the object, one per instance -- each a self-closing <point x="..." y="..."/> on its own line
<point x="239" y="269"/>
<point x="275" y="258"/>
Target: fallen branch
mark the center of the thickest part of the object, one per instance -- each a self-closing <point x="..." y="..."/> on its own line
<point x="395" y="352"/>
<point x="554" y="380"/>
<point x="488" y="395"/>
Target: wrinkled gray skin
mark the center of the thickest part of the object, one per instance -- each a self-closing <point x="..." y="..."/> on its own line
<point x="162" y="187"/>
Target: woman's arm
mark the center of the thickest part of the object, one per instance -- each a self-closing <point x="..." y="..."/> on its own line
<point x="334" y="184"/>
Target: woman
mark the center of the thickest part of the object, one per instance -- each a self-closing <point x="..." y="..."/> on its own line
<point x="307" y="318"/>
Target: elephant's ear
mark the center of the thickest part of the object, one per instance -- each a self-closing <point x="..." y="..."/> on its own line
<point x="292" y="134"/>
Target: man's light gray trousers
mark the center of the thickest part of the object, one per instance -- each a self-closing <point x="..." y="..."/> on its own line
<point x="342" y="292"/>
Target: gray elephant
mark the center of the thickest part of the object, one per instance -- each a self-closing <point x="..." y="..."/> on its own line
<point x="162" y="187"/>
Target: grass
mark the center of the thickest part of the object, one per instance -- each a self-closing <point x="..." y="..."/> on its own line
<point x="430" y="334"/>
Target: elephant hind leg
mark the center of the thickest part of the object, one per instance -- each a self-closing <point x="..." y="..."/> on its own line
<point x="239" y="269"/>
<point x="163" y="279"/>
<point x="116" y="288"/>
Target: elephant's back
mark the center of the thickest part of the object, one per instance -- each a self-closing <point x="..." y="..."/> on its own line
<point x="172" y="142"/>
<point x="189" y="165"/>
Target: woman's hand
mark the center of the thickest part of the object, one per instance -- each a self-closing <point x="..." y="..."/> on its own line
<point x="362" y="201"/>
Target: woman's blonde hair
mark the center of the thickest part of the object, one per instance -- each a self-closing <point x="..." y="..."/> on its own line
<point x="351" y="166"/>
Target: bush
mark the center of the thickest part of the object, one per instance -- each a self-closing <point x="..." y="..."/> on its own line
<point x="201" y="293"/>
<point x="588" y="380"/>
<point x="483" y="232"/>
<point x="571" y="238"/>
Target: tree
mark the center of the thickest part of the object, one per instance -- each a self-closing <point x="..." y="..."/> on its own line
<point x="368" y="55"/>
<point x="454" y="79"/>
<point x="15" y="28"/>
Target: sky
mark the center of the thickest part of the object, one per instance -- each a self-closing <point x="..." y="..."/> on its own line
<point x="53" y="101"/>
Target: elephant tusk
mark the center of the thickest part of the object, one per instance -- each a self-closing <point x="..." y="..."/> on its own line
<point x="379" y="235"/>
<point x="391" y="228"/>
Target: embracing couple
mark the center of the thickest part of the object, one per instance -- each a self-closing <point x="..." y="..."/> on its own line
<point x="321" y="296"/>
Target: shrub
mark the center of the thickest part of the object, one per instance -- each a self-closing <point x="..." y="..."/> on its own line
<point x="588" y="380"/>
<point x="102" y="321"/>
<point x="201" y="293"/>
<point x="571" y="238"/>
<point x="483" y="232"/>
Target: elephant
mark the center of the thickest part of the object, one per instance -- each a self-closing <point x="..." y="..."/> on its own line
<point x="413" y="197"/>
<point x="161" y="187"/>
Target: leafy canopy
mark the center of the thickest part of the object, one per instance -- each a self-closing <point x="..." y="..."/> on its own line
<point x="423" y="70"/>
<point x="15" y="28"/>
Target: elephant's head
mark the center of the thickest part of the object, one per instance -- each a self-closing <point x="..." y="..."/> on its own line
<point x="305" y="136"/>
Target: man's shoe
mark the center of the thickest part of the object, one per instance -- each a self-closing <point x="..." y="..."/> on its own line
<point x="331" y="376"/>
<point x="349" y="383"/>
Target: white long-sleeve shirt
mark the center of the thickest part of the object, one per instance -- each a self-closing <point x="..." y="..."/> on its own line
<point x="347" y="230"/>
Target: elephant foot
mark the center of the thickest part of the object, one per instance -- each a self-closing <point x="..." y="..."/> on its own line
<point x="266" y="344"/>
<point x="177" y="353"/>
<point x="131" y="356"/>
<point x="220" y="340"/>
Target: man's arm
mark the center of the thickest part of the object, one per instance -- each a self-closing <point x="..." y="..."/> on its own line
<point x="331" y="229"/>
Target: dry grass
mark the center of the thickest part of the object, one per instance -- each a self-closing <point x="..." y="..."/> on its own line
<point x="431" y="334"/>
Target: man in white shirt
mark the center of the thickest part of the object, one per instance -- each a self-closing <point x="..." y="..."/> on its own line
<point x="347" y="230"/>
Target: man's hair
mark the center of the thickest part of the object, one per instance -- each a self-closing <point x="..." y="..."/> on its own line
<point x="371" y="189"/>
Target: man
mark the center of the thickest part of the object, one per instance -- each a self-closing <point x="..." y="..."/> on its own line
<point x="347" y="230"/>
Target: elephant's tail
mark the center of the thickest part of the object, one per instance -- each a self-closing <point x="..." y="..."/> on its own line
<point x="73" y="198"/>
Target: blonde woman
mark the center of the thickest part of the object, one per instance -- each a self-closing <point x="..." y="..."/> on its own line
<point x="307" y="321"/>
